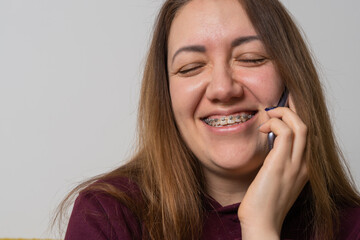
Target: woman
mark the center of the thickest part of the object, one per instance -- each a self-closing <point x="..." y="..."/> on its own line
<point x="212" y="70"/>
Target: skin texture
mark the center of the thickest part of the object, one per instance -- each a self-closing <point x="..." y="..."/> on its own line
<point x="212" y="74"/>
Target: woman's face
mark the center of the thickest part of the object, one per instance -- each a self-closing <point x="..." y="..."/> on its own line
<point x="221" y="80"/>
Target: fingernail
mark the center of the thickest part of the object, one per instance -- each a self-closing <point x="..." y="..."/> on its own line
<point x="270" y="108"/>
<point x="260" y="126"/>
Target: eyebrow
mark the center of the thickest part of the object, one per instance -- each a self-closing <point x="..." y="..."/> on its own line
<point x="242" y="40"/>
<point x="202" y="49"/>
<point x="192" y="48"/>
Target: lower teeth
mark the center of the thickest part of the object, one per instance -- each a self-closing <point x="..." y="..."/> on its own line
<point x="219" y="125"/>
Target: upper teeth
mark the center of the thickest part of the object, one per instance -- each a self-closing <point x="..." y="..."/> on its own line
<point x="216" y="122"/>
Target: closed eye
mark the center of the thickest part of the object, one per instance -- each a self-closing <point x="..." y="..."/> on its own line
<point x="250" y="59"/>
<point x="258" y="60"/>
<point x="251" y="62"/>
<point x="190" y="70"/>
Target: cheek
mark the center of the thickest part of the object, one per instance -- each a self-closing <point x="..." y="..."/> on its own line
<point x="185" y="96"/>
<point x="264" y="83"/>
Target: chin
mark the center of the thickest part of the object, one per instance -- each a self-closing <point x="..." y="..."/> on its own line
<point x="231" y="161"/>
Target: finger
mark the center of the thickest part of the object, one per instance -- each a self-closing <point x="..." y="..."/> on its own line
<point x="299" y="129"/>
<point x="282" y="158"/>
<point x="284" y="138"/>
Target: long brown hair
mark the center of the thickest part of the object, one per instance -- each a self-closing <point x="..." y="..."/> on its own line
<point x="169" y="175"/>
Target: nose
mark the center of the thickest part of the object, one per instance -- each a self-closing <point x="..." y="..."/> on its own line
<point x="223" y="87"/>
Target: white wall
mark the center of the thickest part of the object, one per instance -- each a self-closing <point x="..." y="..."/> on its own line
<point x="70" y="73"/>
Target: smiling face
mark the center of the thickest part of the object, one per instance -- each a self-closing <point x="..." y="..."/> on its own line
<point x="221" y="80"/>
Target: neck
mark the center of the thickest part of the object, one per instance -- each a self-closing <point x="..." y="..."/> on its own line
<point x="228" y="190"/>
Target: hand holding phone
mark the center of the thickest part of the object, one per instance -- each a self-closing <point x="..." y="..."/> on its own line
<point x="282" y="175"/>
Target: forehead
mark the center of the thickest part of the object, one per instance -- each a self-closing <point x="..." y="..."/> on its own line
<point x="209" y="22"/>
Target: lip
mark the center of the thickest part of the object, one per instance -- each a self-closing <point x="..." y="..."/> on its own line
<point x="233" y="129"/>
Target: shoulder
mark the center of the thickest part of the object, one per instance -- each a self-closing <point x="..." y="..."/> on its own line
<point x="350" y="223"/>
<point x="99" y="215"/>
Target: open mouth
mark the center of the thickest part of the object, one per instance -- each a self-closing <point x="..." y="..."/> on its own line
<point x="230" y="120"/>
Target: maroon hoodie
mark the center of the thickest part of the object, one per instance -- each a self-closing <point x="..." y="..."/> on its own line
<point x="97" y="216"/>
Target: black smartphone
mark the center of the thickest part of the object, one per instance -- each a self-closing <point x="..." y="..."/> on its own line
<point x="282" y="102"/>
